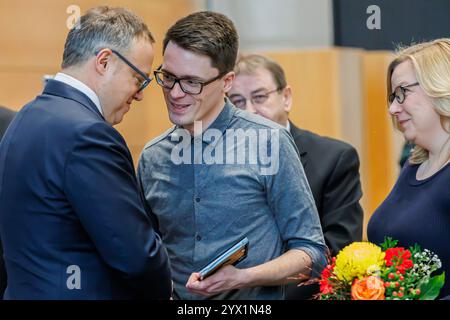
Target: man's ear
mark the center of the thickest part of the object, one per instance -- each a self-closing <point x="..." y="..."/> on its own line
<point x="287" y="98"/>
<point x="228" y="81"/>
<point x="102" y="60"/>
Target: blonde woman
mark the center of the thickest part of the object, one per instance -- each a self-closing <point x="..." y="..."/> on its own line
<point x="418" y="208"/>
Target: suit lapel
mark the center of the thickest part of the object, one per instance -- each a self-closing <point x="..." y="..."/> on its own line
<point x="301" y="146"/>
<point x="60" y="89"/>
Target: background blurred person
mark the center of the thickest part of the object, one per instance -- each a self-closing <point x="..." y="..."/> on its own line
<point x="6" y="117"/>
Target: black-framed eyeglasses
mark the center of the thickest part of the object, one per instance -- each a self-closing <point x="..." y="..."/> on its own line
<point x="187" y="84"/>
<point x="142" y="84"/>
<point x="241" y="102"/>
<point x="399" y="93"/>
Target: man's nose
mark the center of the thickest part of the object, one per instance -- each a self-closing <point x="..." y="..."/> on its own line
<point x="249" y="106"/>
<point x="176" y="91"/>
<point x="139" y="96"/>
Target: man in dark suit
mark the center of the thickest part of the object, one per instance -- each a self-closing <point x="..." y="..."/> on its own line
<point x="331" y="166"/>
<point x="6" y="117"/>
<point x="72" y="220"/>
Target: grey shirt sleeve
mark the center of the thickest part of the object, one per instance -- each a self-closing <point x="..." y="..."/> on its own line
<point x="292" y="203"/>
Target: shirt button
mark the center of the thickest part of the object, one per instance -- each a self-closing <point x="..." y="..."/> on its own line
<point x="197" y="199"/>
<point x="198" y="238"/>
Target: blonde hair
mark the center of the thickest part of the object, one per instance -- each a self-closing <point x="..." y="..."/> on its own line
<point x="431" y="61"/>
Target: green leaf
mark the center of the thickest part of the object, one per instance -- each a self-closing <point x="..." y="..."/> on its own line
<point x="415" y="249"/>
<point x="388" y="243"/>
<point x="430" y="289"/>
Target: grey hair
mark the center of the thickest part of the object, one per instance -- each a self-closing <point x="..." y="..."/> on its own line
<point x="103" y="27"/>
<point x="249" y="64"/>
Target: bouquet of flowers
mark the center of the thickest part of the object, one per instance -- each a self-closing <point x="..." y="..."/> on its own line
<point x="365" y="271"/>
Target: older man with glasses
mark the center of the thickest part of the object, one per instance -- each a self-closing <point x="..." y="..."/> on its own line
<point x="72" y="220"/>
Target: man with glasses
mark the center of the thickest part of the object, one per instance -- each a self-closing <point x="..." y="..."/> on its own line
<point x="72" y="219"/>
<point x="331" y="166"/>
<point x="203" y="199"/>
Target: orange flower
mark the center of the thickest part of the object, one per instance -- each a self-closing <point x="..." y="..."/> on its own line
<point x="368" y="288"/>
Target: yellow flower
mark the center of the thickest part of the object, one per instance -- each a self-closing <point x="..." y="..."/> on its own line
<point x="373" y="269"/>
<point x="357" y="260"/>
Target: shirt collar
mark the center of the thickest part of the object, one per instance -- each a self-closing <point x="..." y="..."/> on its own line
<point x="80" y="86"/>
<point x="222" y="122"/>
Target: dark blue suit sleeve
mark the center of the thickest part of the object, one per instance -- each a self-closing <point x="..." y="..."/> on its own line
<point x="101" y="186"/>
<point x="2" y="272"/>
<point x="151" y="215"/>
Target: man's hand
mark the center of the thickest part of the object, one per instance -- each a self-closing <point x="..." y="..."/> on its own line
<point x="225" y="279"/>
<point x="275" y="272"/>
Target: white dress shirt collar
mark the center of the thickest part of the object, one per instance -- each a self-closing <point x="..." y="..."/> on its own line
<point x="80" y="86"/>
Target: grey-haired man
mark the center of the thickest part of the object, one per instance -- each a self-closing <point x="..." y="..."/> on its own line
<point x="72" y="220"/>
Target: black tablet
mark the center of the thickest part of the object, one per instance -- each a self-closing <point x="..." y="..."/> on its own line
<point x="233" y="255"/>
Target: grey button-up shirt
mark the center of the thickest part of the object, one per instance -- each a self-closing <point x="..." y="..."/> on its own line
<point x="205" y="200"/>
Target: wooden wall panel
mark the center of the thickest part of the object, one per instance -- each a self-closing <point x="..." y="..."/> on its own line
<point x="312" y="75"/>
<point x="32" y="33"/>
<point x="351" y="106"/>
<point x="383" y="142"/>
<point x="18" y="88"/>
<point x="32" y="36"/>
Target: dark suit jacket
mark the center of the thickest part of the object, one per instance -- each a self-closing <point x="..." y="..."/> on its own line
<point x="332" y="170"/>
<point x="6" y="117"/>
<point x="72" y="220"/>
